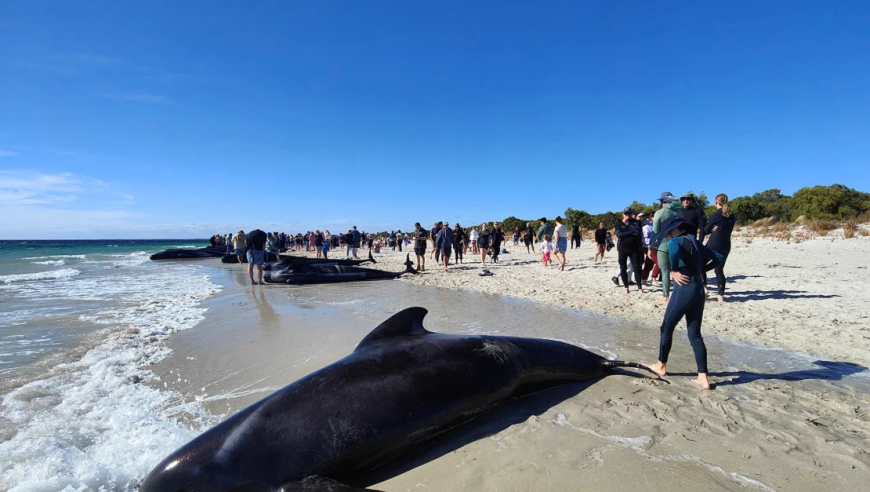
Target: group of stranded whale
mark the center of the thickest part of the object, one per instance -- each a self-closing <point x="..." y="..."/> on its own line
<point x="297" y="270"/>
<point x="340" y="427"/>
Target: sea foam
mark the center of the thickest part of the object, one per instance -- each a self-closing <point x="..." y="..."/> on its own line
<point x="92" y="424"/>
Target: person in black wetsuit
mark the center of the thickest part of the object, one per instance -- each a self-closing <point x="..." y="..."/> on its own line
<point x="529" y="238"/>
<point x="689" y="259"/>
<point x="575" y="236"/>
<point x="719" y="228"/>
<point x="497" y="239"/>
<point x="629" y="231"/>
<point x="458" y="242"/>
<point x="600" y="241"/>
<point x="694" y="217"/>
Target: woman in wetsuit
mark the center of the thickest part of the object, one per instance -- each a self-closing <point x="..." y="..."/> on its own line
<point x="719" y="228"/>
<point x="689" y="260"/>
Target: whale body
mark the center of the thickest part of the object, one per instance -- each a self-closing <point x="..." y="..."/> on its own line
<point x="401" y="386"/>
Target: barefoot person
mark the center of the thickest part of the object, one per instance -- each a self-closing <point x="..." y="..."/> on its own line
<point x="529" y="238"/>
<point x="444" y="243"/>
<point x="600" y="241"/>
<point x="420" y="236"/>
<point x="629" y="231"/>
<point x="689" y="260"/>
<point x="483" y="239"/>
<point x="560" y="240"/>
<point x="719" y="228"/>
<point x="256" y="254"/>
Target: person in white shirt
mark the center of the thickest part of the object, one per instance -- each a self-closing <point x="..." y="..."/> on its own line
<point x="474" y="249"/>
<point x="545" y="248"/>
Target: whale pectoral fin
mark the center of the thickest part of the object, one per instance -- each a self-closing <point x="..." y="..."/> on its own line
<point x="317" y="483"/>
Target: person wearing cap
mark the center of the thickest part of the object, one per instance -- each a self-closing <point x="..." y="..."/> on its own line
<point x="420" y="236"/>
<point x="629" y="233"/>
<point x="689" y="259"/>
<point x="693" y="215"/>
<point x="240" y="242"/>
<point x="670" y="208"/>
<point x="444" y="242"/>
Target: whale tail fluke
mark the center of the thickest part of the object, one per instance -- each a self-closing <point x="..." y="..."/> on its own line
<point x="622" y="363"/>
<point x="409" y="265"/>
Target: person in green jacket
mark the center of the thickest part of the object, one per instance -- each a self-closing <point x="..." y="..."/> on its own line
<point x="544" y="229"/>
<point x="670" y="208"/>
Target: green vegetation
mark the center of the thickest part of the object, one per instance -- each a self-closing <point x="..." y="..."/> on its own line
<point x="819" y="205"/>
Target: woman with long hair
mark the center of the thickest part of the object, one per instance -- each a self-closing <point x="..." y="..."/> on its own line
<point x="718" y="229"/>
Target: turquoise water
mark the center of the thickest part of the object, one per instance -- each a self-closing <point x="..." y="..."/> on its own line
<point x="48" y="289"/>
<point x="81" y="322"/>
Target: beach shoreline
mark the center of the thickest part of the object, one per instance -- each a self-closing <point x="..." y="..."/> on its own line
<point x="760" y="429"/>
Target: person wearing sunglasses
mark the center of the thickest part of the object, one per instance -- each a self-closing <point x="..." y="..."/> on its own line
<point x="693" y="216"/>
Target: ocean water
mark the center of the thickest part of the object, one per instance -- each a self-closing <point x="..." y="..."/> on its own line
<point x="80" y="322"/>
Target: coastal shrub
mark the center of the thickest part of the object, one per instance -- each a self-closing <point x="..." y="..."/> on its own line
<point x="821" y="226"/>
<point x="801" y="220"/>
<point x="835" y="202"/>
<point x="850" y="228"/>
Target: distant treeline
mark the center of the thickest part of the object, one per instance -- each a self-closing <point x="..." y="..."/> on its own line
<point x="835" y="202"/>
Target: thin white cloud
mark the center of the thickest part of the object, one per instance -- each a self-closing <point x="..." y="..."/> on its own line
<point x="7" y="153"/>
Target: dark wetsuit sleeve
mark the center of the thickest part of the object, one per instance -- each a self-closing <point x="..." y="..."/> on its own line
<point x="702" y="223"/>
<point x="714" y="221"/>
<point x="714" y="258"/>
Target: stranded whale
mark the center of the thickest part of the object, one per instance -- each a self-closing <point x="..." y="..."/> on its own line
<point x="330" y="273"/>
<point x="401" y="386"/>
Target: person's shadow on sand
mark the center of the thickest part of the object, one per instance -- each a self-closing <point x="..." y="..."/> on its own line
<point x="761" y="295"/>
<point x="830" y="370"/>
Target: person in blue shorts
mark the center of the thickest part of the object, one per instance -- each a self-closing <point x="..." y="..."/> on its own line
<point x="256" y="254"/>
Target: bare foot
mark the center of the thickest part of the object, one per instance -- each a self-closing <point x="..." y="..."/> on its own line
<point x="253" y="283"/>
<point x="641" y="291"/>
<point x="720" y="298"/>
<point x="659" y="368"/>
<point x="626" y="291"/>
<point x="663" y="301"/>
<point x="702" y="381"/>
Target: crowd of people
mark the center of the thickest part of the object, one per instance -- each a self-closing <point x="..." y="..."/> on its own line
<point x="667" y="249"/>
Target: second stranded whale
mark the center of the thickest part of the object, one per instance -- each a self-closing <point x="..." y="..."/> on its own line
<point x="401" y="386"/>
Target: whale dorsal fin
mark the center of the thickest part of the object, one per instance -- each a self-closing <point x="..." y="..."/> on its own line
<point x="404" y="323"/>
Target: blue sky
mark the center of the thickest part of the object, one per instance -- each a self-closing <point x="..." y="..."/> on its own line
<point x="176" y="119"/>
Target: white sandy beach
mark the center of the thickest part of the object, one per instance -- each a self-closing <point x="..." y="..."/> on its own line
<point x="758" y="430"/>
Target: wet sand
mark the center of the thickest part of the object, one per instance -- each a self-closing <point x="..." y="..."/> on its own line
<point x="776" y="420"/>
